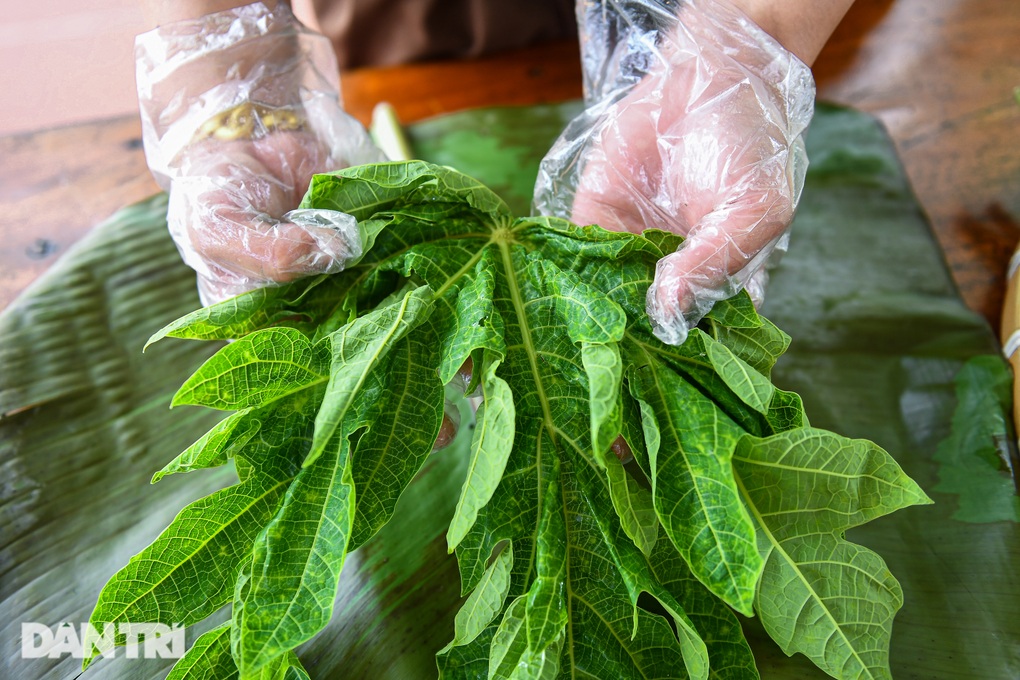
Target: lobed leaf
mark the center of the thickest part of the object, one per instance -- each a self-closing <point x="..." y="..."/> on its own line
<point x="753" y="388"/>
<point x="485" y="602"/>
<point x="820" y="594"/>
<point x="572" y="563"/>
<point x="634" y="506"/>
<point x="367" y="191"/>
<point x="695" y="495"/>
<point x="216" y="446"/>
<point x="604" y="368"/>
<point x="400" y="407"/>
<point x="760" y="347"/>
<point x="302" y="304"/>
<point x="729" y="655"/>
<point x="638" y="576"/>
<point x="509" y="644"/>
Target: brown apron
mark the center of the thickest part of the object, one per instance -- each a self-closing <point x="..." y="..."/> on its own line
<point x="383" y="32"/>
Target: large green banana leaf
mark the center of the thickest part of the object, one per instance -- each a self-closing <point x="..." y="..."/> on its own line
<point x="883" y="348"/>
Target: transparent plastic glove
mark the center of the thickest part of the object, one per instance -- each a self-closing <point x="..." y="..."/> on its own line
<point x="239" y="109"/>
<point x="693" y="124"/>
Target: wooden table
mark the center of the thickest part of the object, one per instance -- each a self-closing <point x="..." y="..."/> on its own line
<point x="941" y="75"/>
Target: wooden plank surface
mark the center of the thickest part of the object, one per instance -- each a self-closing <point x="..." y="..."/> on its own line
<point x="940" y="74"/>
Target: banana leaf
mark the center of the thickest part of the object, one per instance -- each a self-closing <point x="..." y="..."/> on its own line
<point x="883" y="348"/>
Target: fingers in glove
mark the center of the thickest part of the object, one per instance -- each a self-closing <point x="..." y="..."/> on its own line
<point x="718" y="258"/>
<point x="231" y="213"/>
<point x="692" y="127"/>
<point x="239" y="110"/>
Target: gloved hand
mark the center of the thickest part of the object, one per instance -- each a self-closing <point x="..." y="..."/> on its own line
<point x="239" y="109"/>
<point x="693" y="123"/>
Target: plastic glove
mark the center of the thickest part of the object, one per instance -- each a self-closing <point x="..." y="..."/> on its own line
<point x="693" y="124"/>
<point x="239" y="109"/>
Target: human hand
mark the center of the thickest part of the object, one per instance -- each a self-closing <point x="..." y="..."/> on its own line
<point x="693" y="125"/>
<point x="231" y="213"/>
<point x="239" y="109"/>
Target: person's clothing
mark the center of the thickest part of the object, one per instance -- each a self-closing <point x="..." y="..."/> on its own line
<point x="385" y="32"/>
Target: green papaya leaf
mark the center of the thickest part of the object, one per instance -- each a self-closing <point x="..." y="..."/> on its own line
<point x="385" y="188"/>
<point x="753" y="388"/>
<point x="693" y="489"/>
<point x="490" y="448"/>
<point x="639" y="577"/>
<point x="821" y="595"/>
<point x="729" y="655"/>
<point x="302" y="304"/>
<point x="215" y="446"/>
<point x="400" y="409"/>
<point x="485" y="602"/>
<point x="604" y="367"/>
<point x="509" y="643"/>
<point x="633" y="504"/>
<point x="188" y="572"/>
<point x="284" y="667"/>
<point x="760" y="348"/>
<point x="261" y="367"/>
<point x="296" y="563"/>
<point x="553" y="316"/>
<point x="357" y="348"/>
<point x="208" y="659"/>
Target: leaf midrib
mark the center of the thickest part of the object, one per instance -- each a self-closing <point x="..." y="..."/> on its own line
<point x="381" y="348"/>
<point x="820" y="472"/>
<point x="696" y="486"/>
<point x="247" y="508"/>
<point x="342" y="460"/>
<point x="297" y="386"/>
<point x="463" y="270"/>
<point x="776" y="545"/>
<point x="529" y="349"/>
